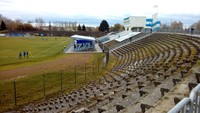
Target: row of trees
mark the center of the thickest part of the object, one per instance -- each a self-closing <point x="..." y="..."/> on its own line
<point x="54" y="26"/>
<point x="179" y="25"/>
<point x="173" y="25"/>
<point x="62" y="26"/>
<point x="40" y="24"/>
<point x="196" y="25"/>
<point x="81" y="28"/>
<point x="37" y="24"/>
<point x="17" y="24"/>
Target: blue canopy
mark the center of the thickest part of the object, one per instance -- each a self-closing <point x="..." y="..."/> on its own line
<point x="83" y="41"/>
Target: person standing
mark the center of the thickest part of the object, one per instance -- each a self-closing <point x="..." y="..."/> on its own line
<point x="24" y="54"/>
<point x="20" y="55"/>
<point x="192" y="30"/>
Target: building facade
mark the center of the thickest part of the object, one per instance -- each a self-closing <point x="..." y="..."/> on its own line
<point x="142" y="23"/>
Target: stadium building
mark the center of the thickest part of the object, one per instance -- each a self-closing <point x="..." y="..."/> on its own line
<point x="142" y="23"/>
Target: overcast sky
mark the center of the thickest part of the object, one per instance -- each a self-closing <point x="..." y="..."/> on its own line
<point x="92" y="12"/>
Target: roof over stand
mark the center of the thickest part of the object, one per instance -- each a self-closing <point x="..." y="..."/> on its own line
<point x="83" y="37"/>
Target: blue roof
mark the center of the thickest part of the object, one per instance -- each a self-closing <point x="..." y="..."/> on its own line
<point x="151" y="25"/>
<point x="149" y="20"/>
<point x="126" y="18"/>
<point x="83" y="41"/>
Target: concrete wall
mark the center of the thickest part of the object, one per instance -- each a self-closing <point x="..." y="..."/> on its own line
<point x="140" y="23"/>
<point x="134" y="21"/>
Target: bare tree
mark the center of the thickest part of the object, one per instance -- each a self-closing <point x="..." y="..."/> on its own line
<point x="18" y="24"/>
<point x="74" y="26"/>
<point x="196" y="25"/>
<point x="177" y="25"/>
<point x="63" y="26"/>
<point x="39" y="23"/>
<point x="49" y="25"/>
<point x="164" y="26"/>
<point x="117" y="27"/>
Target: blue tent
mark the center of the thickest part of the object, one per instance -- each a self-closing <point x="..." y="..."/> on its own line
<point x="83" y="43"/>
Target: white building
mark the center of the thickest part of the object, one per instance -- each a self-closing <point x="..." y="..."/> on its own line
<point x="142" y="24"/>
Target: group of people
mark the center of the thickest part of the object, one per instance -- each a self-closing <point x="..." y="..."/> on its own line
<point x="25" y="54"/>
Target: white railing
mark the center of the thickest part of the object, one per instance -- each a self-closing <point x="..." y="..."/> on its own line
<point x="190" y="104"/>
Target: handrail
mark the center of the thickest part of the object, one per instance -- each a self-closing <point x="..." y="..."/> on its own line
<point x="194" y="92"/>
<point x="192" y="103"/>
<point x="194" y="98"/>
<point x="180" y="105"/>
<point x="185" y="31"/>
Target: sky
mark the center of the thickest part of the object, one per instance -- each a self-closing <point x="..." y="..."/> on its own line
<point x="92" y="12"/>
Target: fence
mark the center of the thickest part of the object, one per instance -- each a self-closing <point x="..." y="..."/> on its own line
<point x="189" y="105"/>
<point x="183" y="31"/>
<point x="40" y="86"/>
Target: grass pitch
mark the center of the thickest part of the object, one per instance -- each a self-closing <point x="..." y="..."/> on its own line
<point x="39" y="48"/>
<point x="30" y="88"/>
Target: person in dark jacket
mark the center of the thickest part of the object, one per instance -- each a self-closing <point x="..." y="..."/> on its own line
<point x="20" y="55"/>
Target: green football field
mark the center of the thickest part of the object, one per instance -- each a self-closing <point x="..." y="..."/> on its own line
<point x="39" y="49"/>
<point x="42" y="52"/>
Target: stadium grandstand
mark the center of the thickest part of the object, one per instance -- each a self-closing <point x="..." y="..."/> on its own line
<point x="151" y="75"/>
<point x="154" y="72"/>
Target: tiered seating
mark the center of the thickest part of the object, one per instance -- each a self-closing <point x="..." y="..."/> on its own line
<point x="112" y="36"/>
<point x="170" y="59"/>
<point x="123" y="38"/>
<point x="146" y="70"/>
<point x="111" y="43"/>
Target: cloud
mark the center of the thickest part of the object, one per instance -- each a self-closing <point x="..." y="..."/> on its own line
<point x="5" y="1"/>
<point x="93" y="11"/>
<point x="187" y="19"/>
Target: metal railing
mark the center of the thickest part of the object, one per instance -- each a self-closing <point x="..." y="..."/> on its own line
<point x="66" y="48"/>
<point x="183" y="31"/>
<point x="190" y="104"/>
